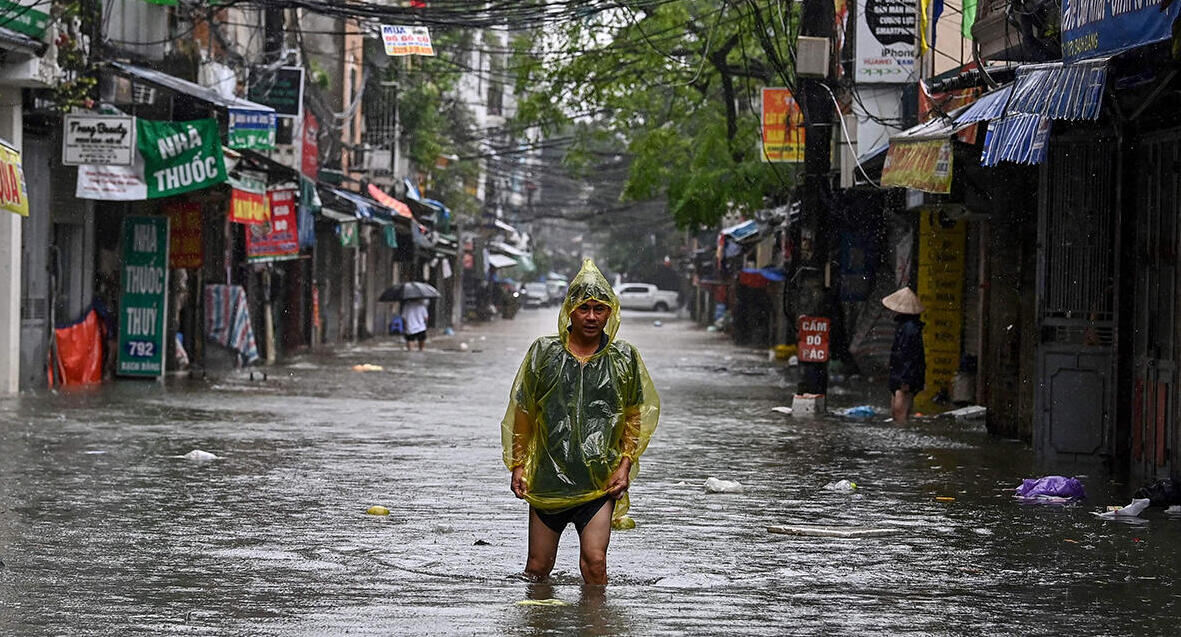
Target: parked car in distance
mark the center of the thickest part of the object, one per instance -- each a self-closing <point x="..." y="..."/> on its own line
<point x="645" y="296"/>
<point x="536" y="294"/>
<point x="556" y="289"/>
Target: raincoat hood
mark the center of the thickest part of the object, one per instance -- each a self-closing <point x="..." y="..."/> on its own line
<point x="589" y="284"/>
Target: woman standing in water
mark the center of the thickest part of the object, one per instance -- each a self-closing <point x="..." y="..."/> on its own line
<point x="908" y="368"/>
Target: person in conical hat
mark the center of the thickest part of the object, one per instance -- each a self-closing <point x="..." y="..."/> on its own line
<point x="581" y="411"/>
<point x="908" y="367"/>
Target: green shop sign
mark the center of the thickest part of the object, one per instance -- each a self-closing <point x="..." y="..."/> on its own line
<point x="180" y="157"/>
<point x="143" y="300"/>
<point x="23" y="18"/>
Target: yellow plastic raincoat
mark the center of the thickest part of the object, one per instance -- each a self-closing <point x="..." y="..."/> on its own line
<point x="571" y="423"/>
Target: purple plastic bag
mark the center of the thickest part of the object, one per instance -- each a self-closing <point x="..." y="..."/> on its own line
<point x="1051" y="486"/>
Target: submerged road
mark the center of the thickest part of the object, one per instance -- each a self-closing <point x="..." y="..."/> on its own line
<point x="104" y="529"/>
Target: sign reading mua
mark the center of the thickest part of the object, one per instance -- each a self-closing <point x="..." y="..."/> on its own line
<point x="180" y="157"/>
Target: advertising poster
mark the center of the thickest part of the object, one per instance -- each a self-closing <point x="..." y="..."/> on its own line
<point x="941" y="289"/>
<point x="106" y="140"/>
<point x="783" y="126"/>
<point x="885" y="44"/>
<point x="14" y="197"/>
<point x="403" y="40"/>
<point x="187" y="249"/>
<point x="143" y="297"/>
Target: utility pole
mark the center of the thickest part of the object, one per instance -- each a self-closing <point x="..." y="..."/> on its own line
<point x="817" y="20"/>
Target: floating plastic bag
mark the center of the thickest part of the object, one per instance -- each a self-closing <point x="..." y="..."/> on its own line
<point x="841" y="486"/>
<point x="1051" y="487"/>
<point x="80" y="350"/>
<point x="1162" y="493"/>
<point x="713" y="485"/>
<point x="1132" y="510"/>
<point x="861" y="411"/>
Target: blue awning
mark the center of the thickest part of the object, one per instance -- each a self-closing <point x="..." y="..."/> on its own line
<point x="1018" y="138"/>
<point x="989" y="106"/>
<point x="1060" y="91"/>
<point x="743" y="230"/>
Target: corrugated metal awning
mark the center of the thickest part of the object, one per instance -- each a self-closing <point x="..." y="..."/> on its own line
<point x="186" y="87"/>
<point x="990" y="106"/>
<point x="1060" y="91"/>
<point x="1018" y="138"/>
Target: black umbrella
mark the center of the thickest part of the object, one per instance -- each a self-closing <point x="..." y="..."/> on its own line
<point x="408" y="291"/>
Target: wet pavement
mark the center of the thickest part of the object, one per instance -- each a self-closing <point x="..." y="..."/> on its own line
<point x="105" y="530"/>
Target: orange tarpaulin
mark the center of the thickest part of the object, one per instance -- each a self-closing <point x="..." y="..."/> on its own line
<point x="79" y="352"/>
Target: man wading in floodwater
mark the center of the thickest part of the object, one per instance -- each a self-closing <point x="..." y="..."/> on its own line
<point x="581" y="411"/>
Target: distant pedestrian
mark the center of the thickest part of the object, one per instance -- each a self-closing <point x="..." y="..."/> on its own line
<point x="908" y="367"/>
<point x="414" y="317"/>
<point x="580" y="413"/>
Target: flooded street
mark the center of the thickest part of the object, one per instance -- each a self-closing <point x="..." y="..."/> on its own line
<point x="104" y="529"/>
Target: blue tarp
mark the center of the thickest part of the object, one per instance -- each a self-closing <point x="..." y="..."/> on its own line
<point x="771" y="274"/>
<point x="1018" y="138"/>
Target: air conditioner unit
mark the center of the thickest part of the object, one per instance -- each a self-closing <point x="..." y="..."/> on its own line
<point x="812" y="56"/>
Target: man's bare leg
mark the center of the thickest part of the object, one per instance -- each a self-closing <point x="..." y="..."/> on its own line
<point x="900" y="405"/>
<point x="592" y="546"/>
<point x="543" y="548"/>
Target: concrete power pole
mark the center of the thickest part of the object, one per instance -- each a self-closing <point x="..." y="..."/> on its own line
<point x="817" y="20"/>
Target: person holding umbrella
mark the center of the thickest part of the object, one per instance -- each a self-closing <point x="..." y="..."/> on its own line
<point x="414" y="296"/>
<point x="908" y="367"/>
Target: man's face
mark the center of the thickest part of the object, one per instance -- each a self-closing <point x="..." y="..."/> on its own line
<point x="589" y="319"/>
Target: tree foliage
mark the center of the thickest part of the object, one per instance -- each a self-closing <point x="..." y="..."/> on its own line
<point x="679" y="85"/>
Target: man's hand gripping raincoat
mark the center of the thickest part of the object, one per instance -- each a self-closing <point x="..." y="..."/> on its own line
<point x="570" y="422"/>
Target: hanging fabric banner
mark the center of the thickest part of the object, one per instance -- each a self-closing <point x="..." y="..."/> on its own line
<point x="180" y="157"/>
<point x="278" y="239"/>
<point x="923" y="165"/>
<point x="14" y="197"/>
<point x="248" y="198"/>
<point x="186" y="248"/>
<point x="309" y="207"/>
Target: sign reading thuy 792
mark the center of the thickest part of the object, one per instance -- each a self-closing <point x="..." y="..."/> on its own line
<point x="143" y="300"/>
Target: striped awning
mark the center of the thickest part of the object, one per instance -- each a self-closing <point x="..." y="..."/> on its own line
<point x="1060" y="91"/>
<point x="989" y="106"/>
<point x="1017" y="138"/>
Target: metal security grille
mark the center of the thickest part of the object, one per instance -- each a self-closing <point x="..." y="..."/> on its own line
<point x="1079" y="233"/>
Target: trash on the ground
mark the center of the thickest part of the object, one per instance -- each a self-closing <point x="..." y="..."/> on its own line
<point x="711" y="328"/>
<point x="447" y="331"/>
<point x="713" y="485"/>
<point x="198" y="455"/>
<point x="782" y="409"/>
<point x="1051" y="489"/>
<point x="367" y="367"/>
<point x="463" y="347"/>
<point x="944" y="498"/>
<point x="481" y="543"/>
<point x="657" y="323"/>
<point x="860" y="411"/>
<point x="377" y="509"/>
<point x="542" y="602"/>
<point x="1131" y="510"/>
<point x="1162" y="493"/>
<point x="793" y="361"/>
<point x="625" y="523"/>
<point x="94" y="452"/>
<point x="971" y="412"/>
<point x="841" y="486"/>
<point x="819" y="530"/>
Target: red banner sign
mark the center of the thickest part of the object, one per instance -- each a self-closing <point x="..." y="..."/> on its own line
<point x="310" y="145"/>
<point x="280" y="238"/>
<point x="813" y="339"/>
<point x="783" y="126"/>
<point x="248" y="207"/>
<point x="186" y="249"/>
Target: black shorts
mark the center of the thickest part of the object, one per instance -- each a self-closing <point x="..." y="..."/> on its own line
<point x="580" y="515"/>
<point x="420" y="337"/>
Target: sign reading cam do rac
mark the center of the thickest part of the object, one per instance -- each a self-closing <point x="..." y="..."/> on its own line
<point x="143" y="301"/>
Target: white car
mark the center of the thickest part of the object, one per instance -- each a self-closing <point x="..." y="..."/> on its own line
<point x="645" y="296"/>
<point x="535" y="294"/>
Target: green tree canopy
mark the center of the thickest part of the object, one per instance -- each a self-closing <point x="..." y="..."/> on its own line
<point x="677" y="83"/>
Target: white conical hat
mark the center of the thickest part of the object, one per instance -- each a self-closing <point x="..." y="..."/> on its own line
<point x="904" y="301"/>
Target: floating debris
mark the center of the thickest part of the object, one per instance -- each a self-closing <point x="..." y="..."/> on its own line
<point x="377" y="509"/>
<point x="817" y="530"/>
<point x="713" y="485"/>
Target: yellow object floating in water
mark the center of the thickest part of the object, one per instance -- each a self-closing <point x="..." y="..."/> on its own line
<point x="542" y="602"/>
<point x="377" y="509"/>
<point x="367" y="367"/>
<point x="944" y="498"/>
<point x="625" y="523"/>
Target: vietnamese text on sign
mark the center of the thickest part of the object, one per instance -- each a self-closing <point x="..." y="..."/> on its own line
<point x="104" y="140"/>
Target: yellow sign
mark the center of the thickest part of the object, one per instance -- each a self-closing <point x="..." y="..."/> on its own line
<point x="941" y="289"/>
<point x="14" y="197"/>
<point x="923" y="165"/>
<point x="783" y="126"/>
